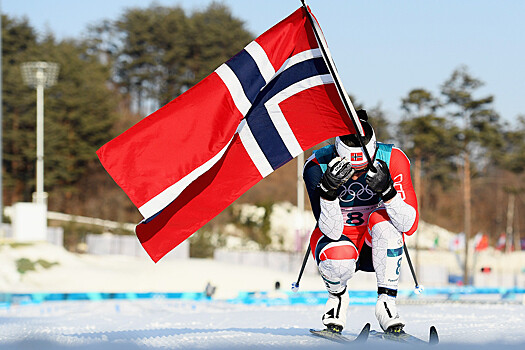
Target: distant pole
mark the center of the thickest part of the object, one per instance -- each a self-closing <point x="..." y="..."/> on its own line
<point x="300" y="190"/>
<point x="517" y="236"/>
<point x="300" y="198"/>
<point x="40" y="75"/>
<point x="467" y="202"/>
<point x="40" y="137"/>
<point x="509" y="232"/>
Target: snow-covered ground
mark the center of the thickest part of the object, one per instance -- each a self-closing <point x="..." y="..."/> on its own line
<point x="160" y="323"/>
<point x="174" y="324"/>
<point x="116" y="273"/>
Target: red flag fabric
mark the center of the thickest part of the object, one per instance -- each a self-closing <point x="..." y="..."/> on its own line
<point x="188" y="161"/>
<point x="481" y="242"/>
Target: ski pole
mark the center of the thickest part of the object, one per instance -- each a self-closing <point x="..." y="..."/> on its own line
<point x="295" y="285"/>
<point x="417" y="289"/>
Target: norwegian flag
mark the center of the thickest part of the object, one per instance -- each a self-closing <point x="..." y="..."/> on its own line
<point x="356" y="157"/>
<point x="188" y="161"/>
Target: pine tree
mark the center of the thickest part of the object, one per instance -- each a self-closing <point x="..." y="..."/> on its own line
<point x="79" y="112"/>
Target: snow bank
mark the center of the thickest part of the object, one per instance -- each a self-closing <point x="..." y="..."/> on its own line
<point x="86" y="273"/>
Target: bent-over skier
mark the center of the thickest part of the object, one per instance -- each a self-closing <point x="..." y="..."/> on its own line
<point x="362" y="217"/>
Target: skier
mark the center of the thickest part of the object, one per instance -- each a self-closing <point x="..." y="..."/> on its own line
<point x="362" y="217"/>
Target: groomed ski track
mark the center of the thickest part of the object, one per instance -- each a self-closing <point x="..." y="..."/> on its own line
<point x="160" y="323"/>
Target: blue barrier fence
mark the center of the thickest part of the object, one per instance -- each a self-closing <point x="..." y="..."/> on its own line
<point x="369" y="297"/>
<point x="32" y="298"/>
<point x="365" y="297"/>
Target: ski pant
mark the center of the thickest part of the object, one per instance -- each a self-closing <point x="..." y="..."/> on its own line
<point x="376" y="246"/>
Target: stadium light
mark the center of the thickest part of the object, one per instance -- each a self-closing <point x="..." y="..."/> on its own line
<point x="40" y="75"/>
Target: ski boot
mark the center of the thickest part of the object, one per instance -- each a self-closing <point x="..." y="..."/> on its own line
<point x="334" y="318"/>
<point x="387" y="315"/>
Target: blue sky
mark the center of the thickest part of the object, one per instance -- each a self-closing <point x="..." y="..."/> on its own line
<point x="382" y="49"/>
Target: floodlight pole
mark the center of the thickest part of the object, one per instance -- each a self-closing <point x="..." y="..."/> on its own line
<point x="40" y="75"/>
<point x="40" y="81"/>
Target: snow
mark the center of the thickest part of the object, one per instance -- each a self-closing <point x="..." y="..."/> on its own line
<point x="173" y="324"/>
<point x="116" y="273"/>
<point x="161" y="323"/>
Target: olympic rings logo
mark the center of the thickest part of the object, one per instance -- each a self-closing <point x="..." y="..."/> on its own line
<point x="356" y="189"/>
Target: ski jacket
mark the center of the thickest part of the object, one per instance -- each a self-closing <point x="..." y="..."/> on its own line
<point x="357" y="201"/>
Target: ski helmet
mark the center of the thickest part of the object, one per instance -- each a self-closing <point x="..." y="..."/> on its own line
<point x="348" y="146"/>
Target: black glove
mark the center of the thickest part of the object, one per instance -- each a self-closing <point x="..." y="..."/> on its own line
<point x="380" y="180"/>
<point x="338" y="172"/>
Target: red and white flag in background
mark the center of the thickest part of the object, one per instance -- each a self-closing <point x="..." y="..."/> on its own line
<point x="188" y="161"/>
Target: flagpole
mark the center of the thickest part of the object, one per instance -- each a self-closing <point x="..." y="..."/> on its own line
<point x="350" y="110"/>
<point x="349" y="107"/>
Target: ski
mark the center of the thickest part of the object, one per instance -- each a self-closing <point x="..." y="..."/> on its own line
<point x="339" y="338"/>
<point x="404" y="337"/>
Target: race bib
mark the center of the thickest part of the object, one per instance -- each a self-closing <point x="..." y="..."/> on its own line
<point x="358" y="216"/>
